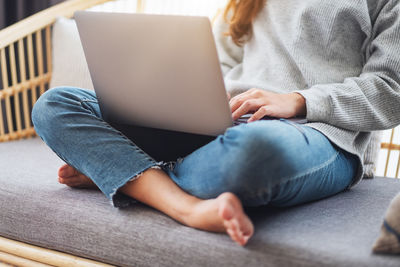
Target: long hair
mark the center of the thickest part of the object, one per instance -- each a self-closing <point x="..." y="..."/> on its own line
<point x="240" y="15"/>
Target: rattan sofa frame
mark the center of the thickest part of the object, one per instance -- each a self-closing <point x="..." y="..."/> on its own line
<point x="26" y="69"/>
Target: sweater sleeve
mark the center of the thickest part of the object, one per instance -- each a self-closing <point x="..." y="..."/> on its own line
<point x="372" y="100"/>
<point x="229" y="53"/>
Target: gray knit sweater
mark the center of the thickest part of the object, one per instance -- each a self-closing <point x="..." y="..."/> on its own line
<point x="343" y="56"/>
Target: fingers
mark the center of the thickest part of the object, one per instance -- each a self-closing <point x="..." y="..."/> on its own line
<point x="263" y="103"/>
<point x="254" y="100"/>
<point x="246" y="107"/>
<point x="261" y="112"/>
<point x="238" y="100"/>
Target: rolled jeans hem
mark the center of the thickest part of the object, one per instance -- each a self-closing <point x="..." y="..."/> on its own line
<point x="118" y="199"/>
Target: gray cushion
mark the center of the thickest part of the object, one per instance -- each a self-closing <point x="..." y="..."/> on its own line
<point x="34" y="208"/>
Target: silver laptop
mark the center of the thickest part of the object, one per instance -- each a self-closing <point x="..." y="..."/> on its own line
<point x="156" y="71"/>
<point x="158" y="79"/>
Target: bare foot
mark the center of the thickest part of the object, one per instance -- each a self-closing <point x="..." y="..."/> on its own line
<point x="237" y="224"/>
<point x="69" y="176"/>
<point x="223" y="214"/>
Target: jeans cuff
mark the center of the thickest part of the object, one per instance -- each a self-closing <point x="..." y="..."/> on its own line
<point x="120" y="200"/>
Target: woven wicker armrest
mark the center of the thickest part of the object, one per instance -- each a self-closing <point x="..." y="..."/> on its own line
<point x="26" y="66"/>
<point x="391" y="147"/>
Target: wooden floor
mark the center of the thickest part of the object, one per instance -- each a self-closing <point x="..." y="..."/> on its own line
<point x="15" y="253"/>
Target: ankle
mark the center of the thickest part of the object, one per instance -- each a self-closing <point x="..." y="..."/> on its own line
<point x="189" y="214"/>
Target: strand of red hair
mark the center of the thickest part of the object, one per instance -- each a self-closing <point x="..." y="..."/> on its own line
<point x="240" y="15"/>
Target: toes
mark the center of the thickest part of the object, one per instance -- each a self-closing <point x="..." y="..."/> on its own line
<point x="61" y="180"/>
<point x="233" y="235"/>
<point x="66" y="171"/>
<point x="234" y="230"/>
<point x="75" y="181"/>
<point x="238" y="226"/>
<point x="249" y="231"/>
<point x="71" y="181"/>
<point x="247" y="228"/>
<point x="69" y="176"/>
<point x="238" y="232"/>
<point x="61" y="170"/>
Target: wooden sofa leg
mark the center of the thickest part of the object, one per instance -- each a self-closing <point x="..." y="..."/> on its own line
<point x="13" y="252"/>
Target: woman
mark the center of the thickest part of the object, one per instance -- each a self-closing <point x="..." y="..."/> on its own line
<point x="337" y="62"/>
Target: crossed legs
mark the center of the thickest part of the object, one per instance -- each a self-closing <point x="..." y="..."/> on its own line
<point x="256" y="164"/>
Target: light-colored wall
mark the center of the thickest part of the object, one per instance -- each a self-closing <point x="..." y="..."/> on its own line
<point x="184" y="7"/>
<point x="176" y="7"/>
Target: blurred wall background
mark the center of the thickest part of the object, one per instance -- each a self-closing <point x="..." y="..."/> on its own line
<point x="12" y="11"/>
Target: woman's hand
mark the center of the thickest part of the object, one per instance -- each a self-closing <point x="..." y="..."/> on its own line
<point x="263" y="103"/>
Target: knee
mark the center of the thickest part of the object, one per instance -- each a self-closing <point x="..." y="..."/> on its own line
<point x="40" y="111"/>
<point x="259" y="153"/>
<point x="259" y="142"/>
<point x="48" y="105"/>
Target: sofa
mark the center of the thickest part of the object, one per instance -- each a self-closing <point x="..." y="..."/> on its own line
<point x="44" y="223"/>
<point x="35" y="209"/>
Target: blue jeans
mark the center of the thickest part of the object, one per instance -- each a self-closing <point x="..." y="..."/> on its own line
<point x="263" y="162"/>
